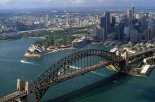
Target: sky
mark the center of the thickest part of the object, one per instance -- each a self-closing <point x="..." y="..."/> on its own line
<point x="10" y="4"/>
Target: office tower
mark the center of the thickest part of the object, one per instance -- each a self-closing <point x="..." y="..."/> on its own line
<point x="113" y="21"/>
<point x="104" y="25"/>
<point x="126" y="20"/>
<point x="130" y="16"/>
<point x="120" y="31"/>
<point x="151" y="27"/>
<point x="134" y="36"/>
<point x="126" y="33"/>
<point x="133" y="9"/>
<point x="143" y="23"/>
<point x="103" y="22"/>
<point x="107" y="15"/>
<point x="99" y="33"/>
<point x="147" y="34"/>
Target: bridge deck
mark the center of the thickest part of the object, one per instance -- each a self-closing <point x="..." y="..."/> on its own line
<point x="141" y="53"/>
<point x="73" y="74"/>
<point x="12" y="96"/>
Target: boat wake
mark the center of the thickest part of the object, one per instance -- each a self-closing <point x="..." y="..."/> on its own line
<point x="30" y="63"/>
<point x="99" y="74"/>
<point x="73" y="67"/>
<point x="93" y="72"/>
<point x="26" y="62"/>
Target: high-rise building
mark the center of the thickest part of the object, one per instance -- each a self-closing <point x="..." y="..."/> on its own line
<point x="99" y="32"/>
<point x="133" y="9"/>
<point x="105" y="23"/>
<point x="113" y="21"/>
<point x="130" y="14"/>
<point x="134" y="35"/>
<point x="120" y="31"/>
<point x="126" y="20"/>
<point x="151" y="27"/>
<point x="127" y="33"/>
<point x="118" y="20"/>
<point x="113" y="24"/>
<point x="107" y="15"/>
<point x="147" y="34"/>
<point x="143" y="23"/>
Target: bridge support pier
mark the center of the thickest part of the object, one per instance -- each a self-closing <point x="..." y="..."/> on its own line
<point x="27" y="87"/>
<point x="126" y="58"/>
<point x="124" y="64"/>
<point x="118" y="53"/>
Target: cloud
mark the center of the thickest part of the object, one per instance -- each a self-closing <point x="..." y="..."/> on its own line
<point x="4" y="2"/>
<point x="71" y="3"/>
<point x="78" y="1"/>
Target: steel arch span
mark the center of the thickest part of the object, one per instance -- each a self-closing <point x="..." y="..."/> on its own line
<point x="74" y="65"/>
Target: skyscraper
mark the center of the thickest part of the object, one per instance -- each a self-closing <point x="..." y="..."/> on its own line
<point x="105" y="23"/>
<point x="147" y="34"/>
<point x="107" y="15"/>
<point x="120" y="31"/>
<point x="144" y="23"/>
<point x="113" y="21"/>
<point x="151" y="27"/>
<point x="134" y="35"/>
<point x="131" y="14"/>
<point x="99" y="33"/>
<point x="133" y="8"/>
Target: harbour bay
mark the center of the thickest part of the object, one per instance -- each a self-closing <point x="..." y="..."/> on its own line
<point x="92" y="87"/>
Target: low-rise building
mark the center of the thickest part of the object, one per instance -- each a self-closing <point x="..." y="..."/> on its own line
<point x="79" y="43"/>
<point x="145" y="69"/>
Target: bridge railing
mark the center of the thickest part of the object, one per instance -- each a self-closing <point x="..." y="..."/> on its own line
<point x="13" y="96"/>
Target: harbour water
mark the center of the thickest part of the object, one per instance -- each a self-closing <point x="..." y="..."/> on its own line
<point x="99" y="86"/>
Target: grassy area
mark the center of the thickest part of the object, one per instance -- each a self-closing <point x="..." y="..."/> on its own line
<point x="61" y="37"/>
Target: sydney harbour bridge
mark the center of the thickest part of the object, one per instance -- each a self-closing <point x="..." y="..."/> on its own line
<point x="71" y="66"/>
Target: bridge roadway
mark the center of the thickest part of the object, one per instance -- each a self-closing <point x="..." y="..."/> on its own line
<point x="141" y="53"/>
<point x="73" y="74"/>
<point x="12" y="96"/>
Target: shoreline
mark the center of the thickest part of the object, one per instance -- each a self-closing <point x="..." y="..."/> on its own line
<point x="36" y="37"/>
<point x="111" y="67"/>
<point x="47" y="52"/>
<point x="57" y="50"/>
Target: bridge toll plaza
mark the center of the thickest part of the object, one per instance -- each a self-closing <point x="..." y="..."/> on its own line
<point x="71" y="66"/>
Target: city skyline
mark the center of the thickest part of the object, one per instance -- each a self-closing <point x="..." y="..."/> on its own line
<point x="15" y="4"/>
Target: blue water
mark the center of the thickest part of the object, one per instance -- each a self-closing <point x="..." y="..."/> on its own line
<point x="100" y="86"/>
